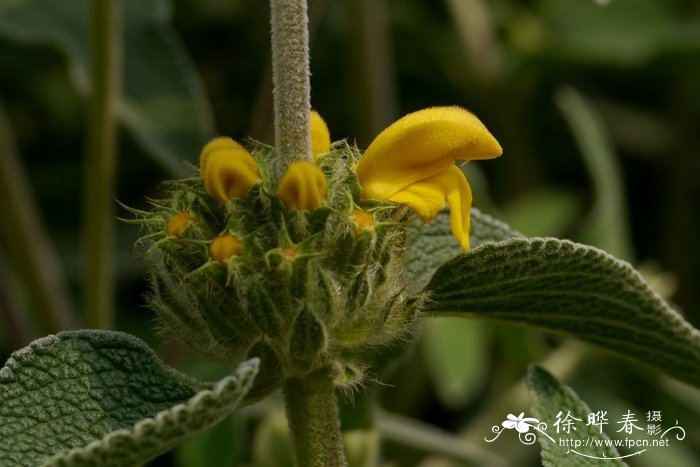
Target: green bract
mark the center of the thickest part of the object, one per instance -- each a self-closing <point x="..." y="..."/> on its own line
<point x="307" y="291"/>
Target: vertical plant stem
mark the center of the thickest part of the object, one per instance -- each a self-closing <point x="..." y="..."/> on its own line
<point x="291" y="79"/>
<point x="29" y="248"/>
<point x="105" y="66"/>
<point x="262" y="116"/>
<point x="312" y="410"/>
<point x="314" y="423"/>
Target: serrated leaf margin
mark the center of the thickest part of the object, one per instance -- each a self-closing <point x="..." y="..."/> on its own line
<point x="230" y="390"/>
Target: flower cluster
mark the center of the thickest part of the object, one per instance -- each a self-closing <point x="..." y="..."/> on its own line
<point x="304" y="267"/>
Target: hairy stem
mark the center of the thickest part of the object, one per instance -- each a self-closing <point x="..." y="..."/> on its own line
<point x="105" y="54"/>
<point x="314" y="424"/>
<point x="29" y="248"/>
<point x="290" y="78"/>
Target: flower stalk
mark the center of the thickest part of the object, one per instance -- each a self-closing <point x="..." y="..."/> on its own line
<point x="291" y="79"/>
<point x="98" y="190"/>
<point x="314" y="426"/>
<point x="312" y="409"/>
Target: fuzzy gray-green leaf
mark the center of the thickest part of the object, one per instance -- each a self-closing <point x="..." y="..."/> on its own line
<point x="431" y="245"/>
<point x="570" y="289"/>
<point x="163" y="104"/>
<point x="549" y="397"/>
<point x="103" y="398"/>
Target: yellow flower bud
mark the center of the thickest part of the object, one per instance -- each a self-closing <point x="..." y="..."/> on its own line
<point x="225" y="246"/>
<point x="303" y="187"/>
<point x="178" y="223"/>
<point x="219" y="142"/>
<point x="291" y="252"/>
<point x="228" y="169"/>
<point x="362" y="219"/>
<point x="320" y="136"/>
<point x="412" y="162"/>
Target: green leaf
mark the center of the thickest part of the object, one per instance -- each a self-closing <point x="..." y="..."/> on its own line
<point x="549" y="397"/>
<point x="431" y="245"/>
<point x="455" y="352"/>
<point x="163" y="103"/>
<point x="103" y="398"/>
<point x="569" y="289"/>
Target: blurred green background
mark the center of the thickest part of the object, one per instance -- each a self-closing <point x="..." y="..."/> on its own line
<point x="597" y="109"/>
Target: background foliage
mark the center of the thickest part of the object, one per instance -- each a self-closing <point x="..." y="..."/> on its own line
<point x="596" y="108"/>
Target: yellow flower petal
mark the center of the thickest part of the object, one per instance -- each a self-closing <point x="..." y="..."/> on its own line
<point x="423" y="198"/>
<point x="225" y="246"/>
<point x="320" y="136"/>
<point x="303" y="187"/>
<point x="228" y="169"/>
<point x="459" y="198"/>
<point x="420" y="145"/>
<point x="427" y="198"/>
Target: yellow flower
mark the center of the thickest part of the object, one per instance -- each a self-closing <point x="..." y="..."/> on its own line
<point x="413" y="162"/>
<point x="320" y="136"/>
<point x="228" y="169"/>
<point x="178" y="223"/>
<point x="362" y="219"/>
<point x="225" y="246"/>
<point x="303" y="187"/>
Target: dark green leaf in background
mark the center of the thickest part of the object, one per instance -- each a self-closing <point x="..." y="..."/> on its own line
<point x="271" y="446"/>
<point x="456" y="354"/>
<point x="163" y="105"/>
<point x="623" y="33"/>
<point x="608" y="226"/>
<point x="85" y="398"/>
<point x="569" y="289"/>
<point x="542" y="212"/>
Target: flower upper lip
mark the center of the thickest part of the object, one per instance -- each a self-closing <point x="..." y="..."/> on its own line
<point x="421" y="144"/>
<point x="413" y="162"/>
